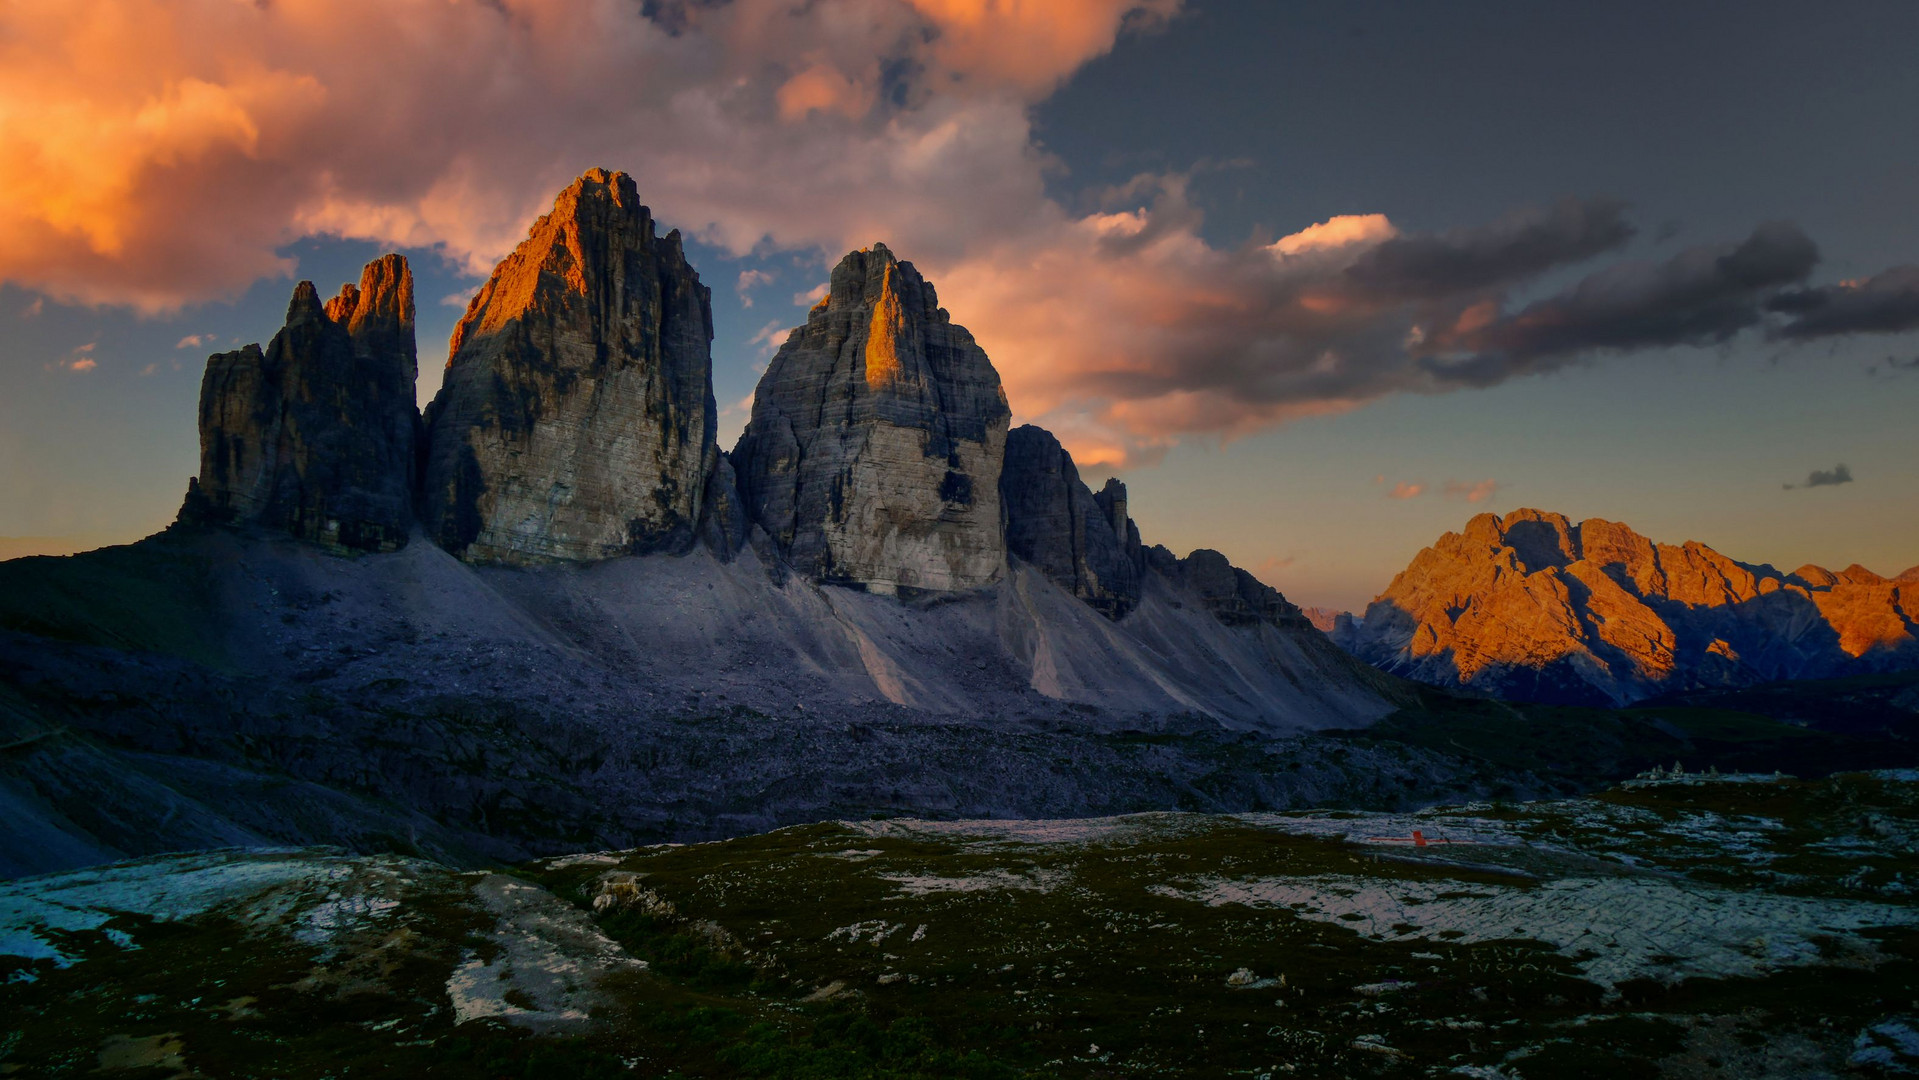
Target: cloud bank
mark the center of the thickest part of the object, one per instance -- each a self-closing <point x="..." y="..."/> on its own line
<point x="161" y="152"/>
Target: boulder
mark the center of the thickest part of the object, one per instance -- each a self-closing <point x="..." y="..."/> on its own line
<point x="577" y="421"/>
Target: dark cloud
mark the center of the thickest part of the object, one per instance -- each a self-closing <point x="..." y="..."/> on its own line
<point x="1701" y="296"/>
<point x="1838" y="474"/>
<point x="1519" y="245"/>
<point x="1886" y="303"/>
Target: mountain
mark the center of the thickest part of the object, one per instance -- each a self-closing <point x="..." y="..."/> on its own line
<point x="579" y="623"/>
<point x="315" y="436"/>
<point x="576" y="421"/>
<point x="873" y="453"/>
<point x="1083" y="542"/>
<point x="1533" y="607"/>
<point x="1324" y="619"/>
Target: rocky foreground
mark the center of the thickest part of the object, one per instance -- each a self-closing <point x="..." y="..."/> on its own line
<point x="1723" y="926"/>
<point x="1533" y="607"/>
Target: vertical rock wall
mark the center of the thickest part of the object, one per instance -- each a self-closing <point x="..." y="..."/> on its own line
<point x="316" y="434"/>
<point x="874" y="451"/>
<point x="577" y="419"/>
<point x="1056" y="523"/>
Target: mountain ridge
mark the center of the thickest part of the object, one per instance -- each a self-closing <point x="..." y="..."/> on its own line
<point x="1536" y="607"/>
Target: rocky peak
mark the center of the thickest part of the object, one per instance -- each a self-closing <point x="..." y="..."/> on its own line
<point x="1538" y="539"/>
<point x="874" y="450"/>
<point x="1235" y="596"/>
<point x="577" y="417"/>
<point x="1531" y="606"/>
<point x="1112" y="502"/>
<point x="1059" y="526"/>
<point x="315" y="434"/>
<point x="378" y="312"/>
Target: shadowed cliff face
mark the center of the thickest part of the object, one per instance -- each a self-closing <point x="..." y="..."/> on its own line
<point x="874" y="451"/>
<point x="577" y="418"/>
<point x="316" y="435"/>
<point x="1055" y="522"/>
<point x="1532" y="606"/>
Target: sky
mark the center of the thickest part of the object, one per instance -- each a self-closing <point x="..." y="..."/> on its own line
<point x="1319" y="281"/>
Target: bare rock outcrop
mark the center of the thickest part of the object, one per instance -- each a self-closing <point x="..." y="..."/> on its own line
<point x="1325" y="619"/>
<point x="1234" y="596"/>
<point x="577" y="421"/>
<point x="873" y="455"/>
<point x="1055" y="522"/>
<point x="1532" y="606"/>
<point x="315" y="435"/>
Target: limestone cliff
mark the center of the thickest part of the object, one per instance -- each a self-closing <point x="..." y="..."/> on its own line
<point x="873" y="454"/>
<point x="1055" y="522"/>
<point x="1532" y="606"/>
<point x="316" y="434"/>
<point x="577" y="420"/>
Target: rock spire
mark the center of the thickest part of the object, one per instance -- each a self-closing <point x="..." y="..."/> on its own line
<point x="577" y="419"/>
<point x="1056" y="523"/>
<point x="316" y="434"/>
<point x="873" y="455"/>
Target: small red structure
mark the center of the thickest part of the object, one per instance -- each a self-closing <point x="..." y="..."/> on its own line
<point x="1417" y="839"/>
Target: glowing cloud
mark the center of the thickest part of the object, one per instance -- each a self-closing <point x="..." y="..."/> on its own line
<point x="162" y="152"/>
<point x="1476" y="492"/>
<point x="1335" y="232"/>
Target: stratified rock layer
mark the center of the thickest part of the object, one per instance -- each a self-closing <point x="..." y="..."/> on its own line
<point x="577" y="421"/>
<point x="316" y="434"/>
<point x="1531" y="606"/>
<point x="873" y="455"/>
<point x="1056" y="523"/>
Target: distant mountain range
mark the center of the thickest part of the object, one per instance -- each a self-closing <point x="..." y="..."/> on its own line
<point x="1533" y="607"/>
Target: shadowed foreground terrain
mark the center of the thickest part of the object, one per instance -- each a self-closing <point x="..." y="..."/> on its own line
<point x="1733" y="926"/>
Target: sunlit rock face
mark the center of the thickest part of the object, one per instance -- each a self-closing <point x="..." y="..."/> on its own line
<point x="1055" y="522"/>
<point x="1533" y="606"/>
<point x="316" y="434"/>
<point x="577" y="421"/>
<point x="873" y="455"/>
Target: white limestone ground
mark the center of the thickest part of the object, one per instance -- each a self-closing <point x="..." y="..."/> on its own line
<point x="541" y="969"/>
<point x="547" y="951"/>
<point x="991" y="881"/>
<point x="1452" y="825"/>
<point x="994" y="832"/>
<point x="1614" y="928"/>
<point x="313" y="896"/>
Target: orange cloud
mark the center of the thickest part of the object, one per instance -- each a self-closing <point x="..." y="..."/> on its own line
<point x="1032" y="44"/>
<point x="77" y="360"/>
<point x="822" y="88"/>
<point x="1475" y="318"/>
<point x="161" y="152"/>
<point x="1404" y="490"/>
<point x="1341" y="231"/>
<point x="1476" y="492"/>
